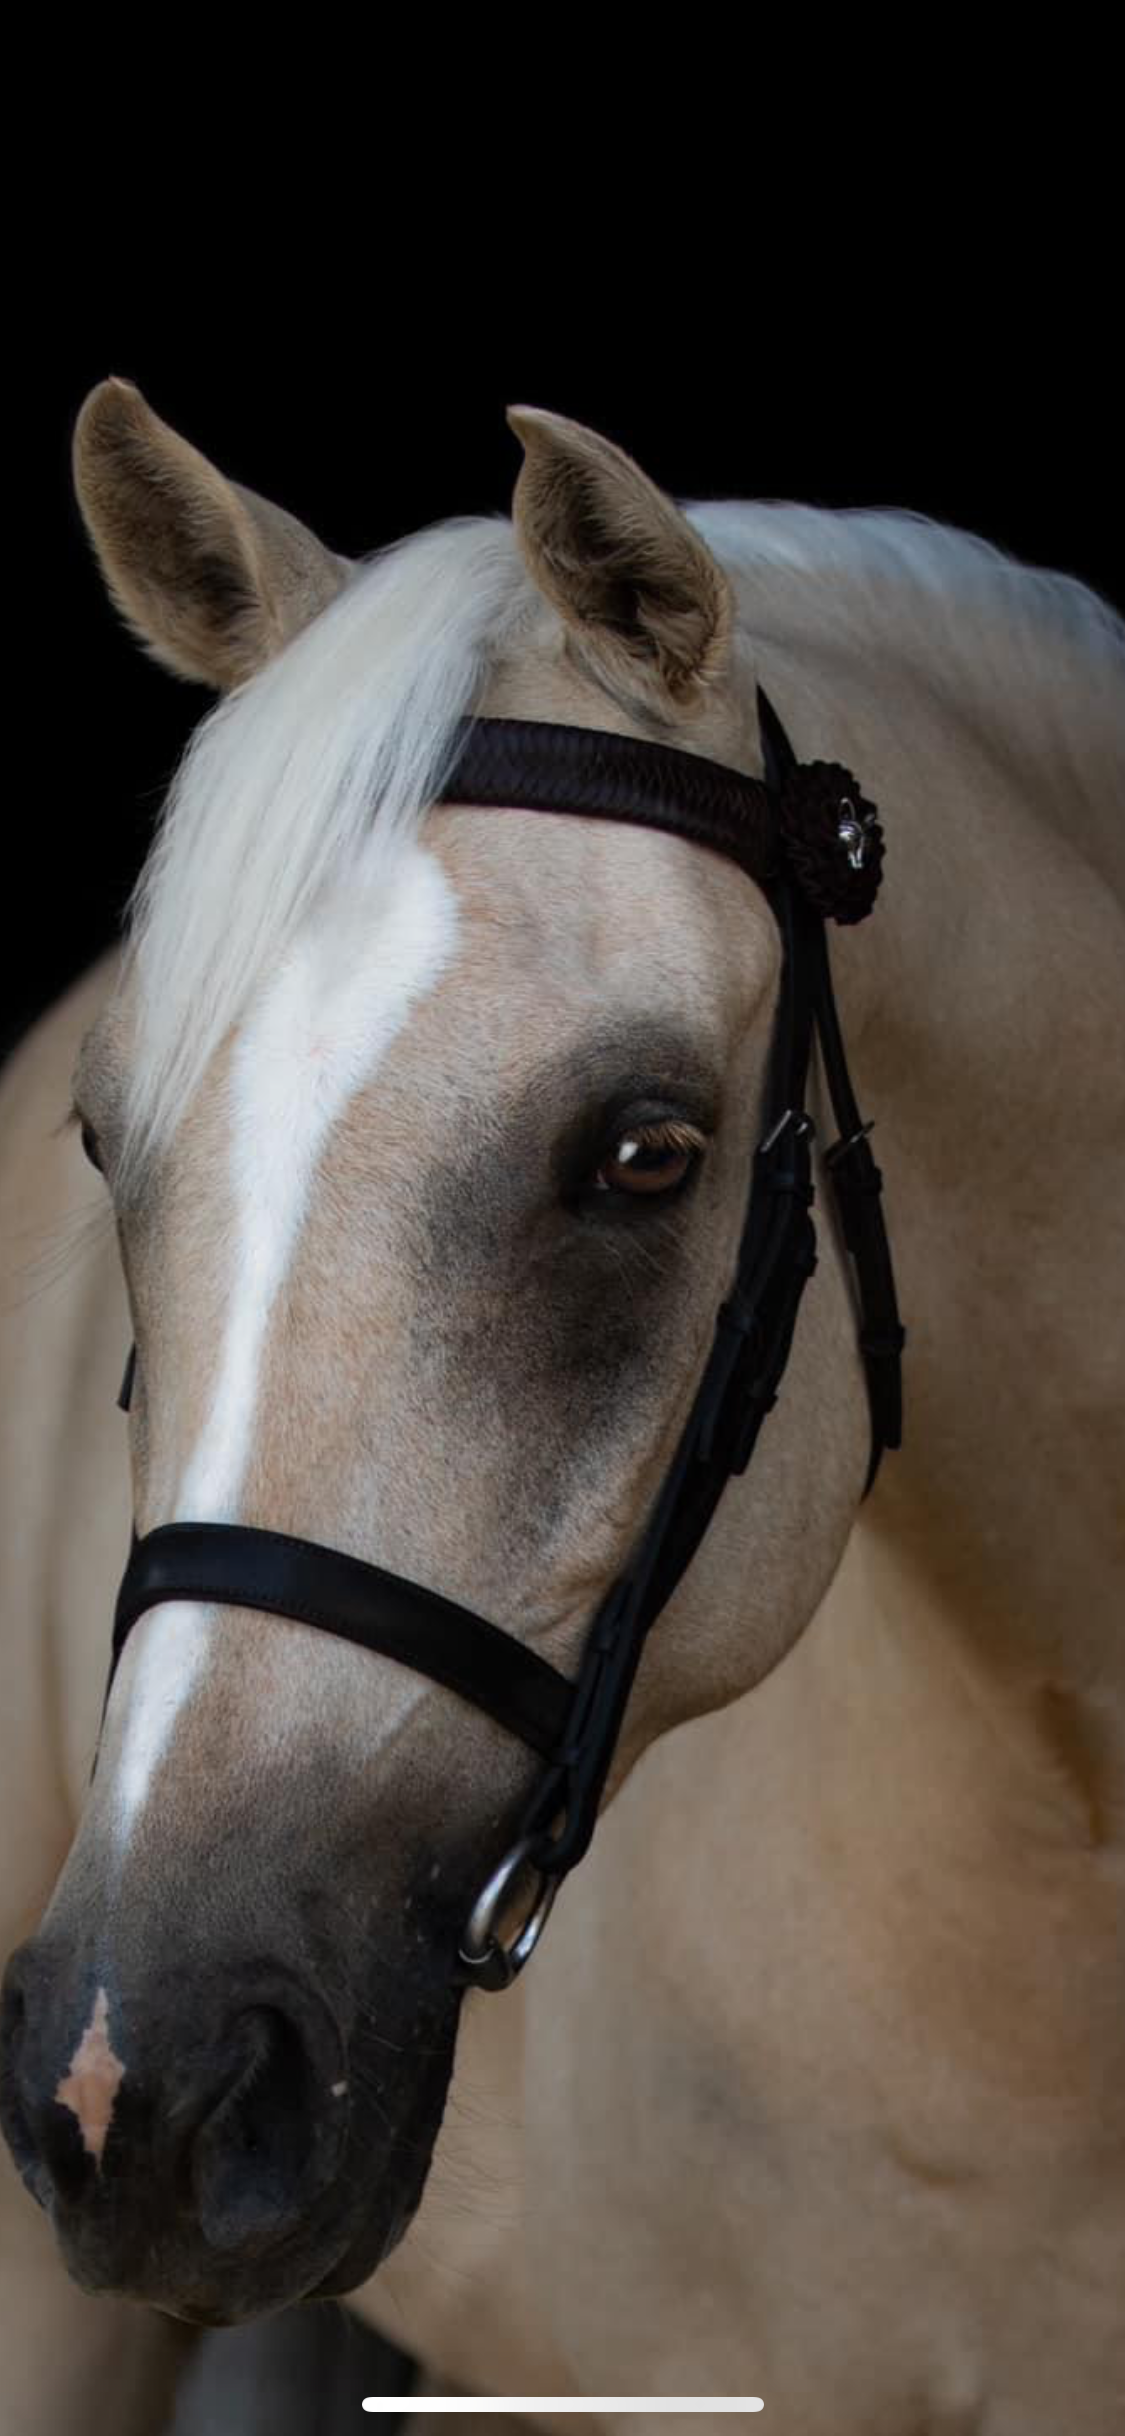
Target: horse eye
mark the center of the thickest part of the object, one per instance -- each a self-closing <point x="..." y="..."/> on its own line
<point x="91" y="1146"/>
<point x="656" y="1159"/>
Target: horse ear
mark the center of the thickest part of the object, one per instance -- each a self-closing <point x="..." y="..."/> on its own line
<point x="211" y="579"/>
<point x="641" y="594"/>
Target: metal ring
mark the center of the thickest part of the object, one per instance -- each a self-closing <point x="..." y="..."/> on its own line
<point x="494" y="1965"/>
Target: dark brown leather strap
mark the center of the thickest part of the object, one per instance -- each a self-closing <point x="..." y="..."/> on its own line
<point x="535" y="765"/>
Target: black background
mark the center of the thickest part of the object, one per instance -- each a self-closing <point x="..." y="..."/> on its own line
<point x="980" y="426"/>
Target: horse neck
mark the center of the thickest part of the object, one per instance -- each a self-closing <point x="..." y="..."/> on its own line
<point x="978" y="1002"/>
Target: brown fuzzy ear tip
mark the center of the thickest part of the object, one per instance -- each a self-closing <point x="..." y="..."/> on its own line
<point x="522" y="420"/>
<point x="531" y="423"/>
<point x="108" y="410"/>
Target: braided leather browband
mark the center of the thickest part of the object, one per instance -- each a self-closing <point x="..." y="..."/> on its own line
<point x="810" y="840"/>
<point x="536" y="765"/>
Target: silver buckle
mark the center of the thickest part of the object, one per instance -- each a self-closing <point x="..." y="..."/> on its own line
<point x="794" y="1117"/>
<point x="494" y="1965"/>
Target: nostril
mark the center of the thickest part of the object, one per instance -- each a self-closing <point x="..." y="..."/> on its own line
<point x="13" y="2016"/>
<point x="14" y="2119"/>
<point x="256" y="2157"/>
<point x="43" y="2137"/>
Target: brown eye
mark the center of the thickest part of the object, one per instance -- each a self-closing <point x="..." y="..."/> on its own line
<point x="653" y="1159"/>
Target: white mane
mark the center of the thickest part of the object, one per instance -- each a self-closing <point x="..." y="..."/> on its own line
<point x="1033" y="658"/>
<point x="276" y="796"/>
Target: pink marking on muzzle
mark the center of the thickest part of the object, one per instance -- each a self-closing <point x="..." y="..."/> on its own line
<point x="93" y="2081"/>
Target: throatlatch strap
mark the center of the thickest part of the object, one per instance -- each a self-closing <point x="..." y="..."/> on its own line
<point x="857" y="1185"/>
<point x="856" y="1181"/>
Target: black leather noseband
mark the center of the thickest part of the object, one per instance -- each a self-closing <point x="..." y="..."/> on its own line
<point x="807" y="837"/>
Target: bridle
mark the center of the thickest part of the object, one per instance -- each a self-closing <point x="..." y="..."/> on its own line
<point x="813" y="844"/>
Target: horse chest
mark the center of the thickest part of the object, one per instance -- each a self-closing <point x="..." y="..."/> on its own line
<point x="867" y="2281"/>
<point x="738" y="2165"/>
<point x="782" y="2175"/>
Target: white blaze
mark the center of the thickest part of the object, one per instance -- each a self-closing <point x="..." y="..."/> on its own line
<point x="313" y="1039"/>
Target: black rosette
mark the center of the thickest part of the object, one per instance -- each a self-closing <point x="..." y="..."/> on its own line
<point x="833" y="839"/>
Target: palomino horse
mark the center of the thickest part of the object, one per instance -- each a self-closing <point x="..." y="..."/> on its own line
<point x="427" y="1134"/>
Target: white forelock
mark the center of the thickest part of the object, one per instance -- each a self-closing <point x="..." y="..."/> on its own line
<point x="275" y="799"/>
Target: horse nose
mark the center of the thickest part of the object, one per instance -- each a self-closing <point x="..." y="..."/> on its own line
<point x="242" y="2131"/>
